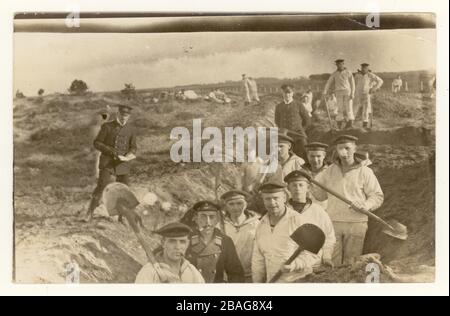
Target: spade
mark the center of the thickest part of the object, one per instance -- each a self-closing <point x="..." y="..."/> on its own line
<point x="308" y="237"/>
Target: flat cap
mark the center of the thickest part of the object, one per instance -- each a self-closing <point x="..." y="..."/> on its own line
<point x="272" y="187"/>
<point x="345" y="139"/>
<point x="316" y="146"/>
<point x="205" y="206"/>
<point x="287" y="87"/>
<point x="125" y="108"/>
<point x="337" y="61"/>
<point x="283" y="136"/>
<point x="297" y="175"/>
<point x="234" y="195"/>
<point x="365" y="65"/>
<point x="174" y="230"/>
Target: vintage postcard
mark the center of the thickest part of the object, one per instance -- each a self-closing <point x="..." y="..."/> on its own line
<point x="232" y="148"/>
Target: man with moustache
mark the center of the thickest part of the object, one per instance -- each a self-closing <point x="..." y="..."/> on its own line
<point x="212" y="252"/>
<point x="351" y="177"/>
<point x="171" y="266"/>
<point x="273" y="244"/>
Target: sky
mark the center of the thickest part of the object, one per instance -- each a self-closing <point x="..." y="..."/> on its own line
<point x="105" y="61"/>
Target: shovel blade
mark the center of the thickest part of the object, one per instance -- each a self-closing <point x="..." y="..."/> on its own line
<point x="399" y="230"/>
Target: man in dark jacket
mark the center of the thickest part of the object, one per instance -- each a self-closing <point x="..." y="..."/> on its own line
<point x="117" y="143"/>
<point x="293" y="116"/>
<point x="212" y="252"/>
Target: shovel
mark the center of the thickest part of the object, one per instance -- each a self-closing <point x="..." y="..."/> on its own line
<point x="307" y="237"/>
<point x="119" y="200"/>
<point x="392" y="227"/>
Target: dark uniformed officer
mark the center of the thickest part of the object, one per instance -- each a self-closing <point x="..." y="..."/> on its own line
<point x="212" y="252"/>
<point x="293" y="116"/>
<point x="115" y="140"/>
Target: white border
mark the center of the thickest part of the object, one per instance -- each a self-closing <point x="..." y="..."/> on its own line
<point x="440" y="287"/>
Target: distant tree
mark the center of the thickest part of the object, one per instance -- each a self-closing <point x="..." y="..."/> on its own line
<point x="319" y="77"/>
<point x="78" y="87"/>
<point x="19" y="95"/>
<point x="129" y="91"/>
<point x="41" y="92"/>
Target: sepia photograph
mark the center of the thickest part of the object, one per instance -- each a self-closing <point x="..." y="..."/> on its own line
<point x="224" y="148"/>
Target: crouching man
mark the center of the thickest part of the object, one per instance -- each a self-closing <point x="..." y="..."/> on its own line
<point x="273" y="243"/>
<point x="212" y="252"/>
<point x="171" y="267"/>
<point x="310" y="212"/>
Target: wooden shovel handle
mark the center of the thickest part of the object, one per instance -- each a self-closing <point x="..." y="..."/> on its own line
<point x="288" y="261"/>
<point x="349" y="203"/>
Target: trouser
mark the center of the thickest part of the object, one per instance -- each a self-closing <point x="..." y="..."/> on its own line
<point x="363" y="100"/>
<point x="349" y="242"/>
<point x="344" y="106"/>
<point x="105" y="178"/>
<point x="300" y="146"/>
<point x="251" y="95"/>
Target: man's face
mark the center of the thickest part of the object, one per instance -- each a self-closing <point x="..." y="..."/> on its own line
<point x="124" y="115"/>
<point x="207" y="221"/>
<point x="236" y="207"/>
<point x="175" y="247"/>
<point x="365" y="69"/>
<point x="275" y="203"/>
<point x="340" y="66"/>
<point x="288" y="94"/>
<point x="298" y="189"/>
<point x="346" y="151"/>
<point x="283" y="150"/>
<point x="316" y="159"/>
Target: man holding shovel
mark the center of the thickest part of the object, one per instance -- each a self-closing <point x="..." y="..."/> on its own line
<point x="350" y="177"/>
<point x="273" y="244"/>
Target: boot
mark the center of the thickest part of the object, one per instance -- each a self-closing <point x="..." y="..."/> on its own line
<point x="365" y="125"/>
<point x="95" y="201"/>
<point x="340" y="124"/>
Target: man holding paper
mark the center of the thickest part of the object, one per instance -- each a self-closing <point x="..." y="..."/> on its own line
<point x="117" y="143"/>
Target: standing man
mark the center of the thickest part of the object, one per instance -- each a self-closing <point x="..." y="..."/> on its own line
<point x="250" y="89"/>
<point x="397" y="84"/>
<point x="212" y="252"/>
<point x="273" y="244"/>
<point x="343" y="84"/>
<point x="311" y="213"/>
<point x="171" y="266"/>
<point x="316" y="153"/>
<point x="351" y="177"/>
<point x="117" y="143"/>
<point x="366" y="83"/>
<point x="240" y="226"/>
<point x="293" y="116"/>
<point x="288" y="160"/>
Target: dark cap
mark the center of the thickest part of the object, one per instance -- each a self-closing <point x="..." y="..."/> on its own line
<point x="365" y="65"/>
<point x="272" y="187"/>
<point x="205" y="206"/>
<point x="337" y="61"/>
<point x="297" y="175"/>
<point x="316" y="146"/>
<point x="234" y="195"/>
<point x="287" y="87"/>
<point x="345" y="139"/>
<point x="174" y="230"/>
<point x="125" y="108"/>
<point x="284" y="138"/>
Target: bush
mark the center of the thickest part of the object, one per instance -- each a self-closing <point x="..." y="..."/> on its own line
<point x="78" y="87"/>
